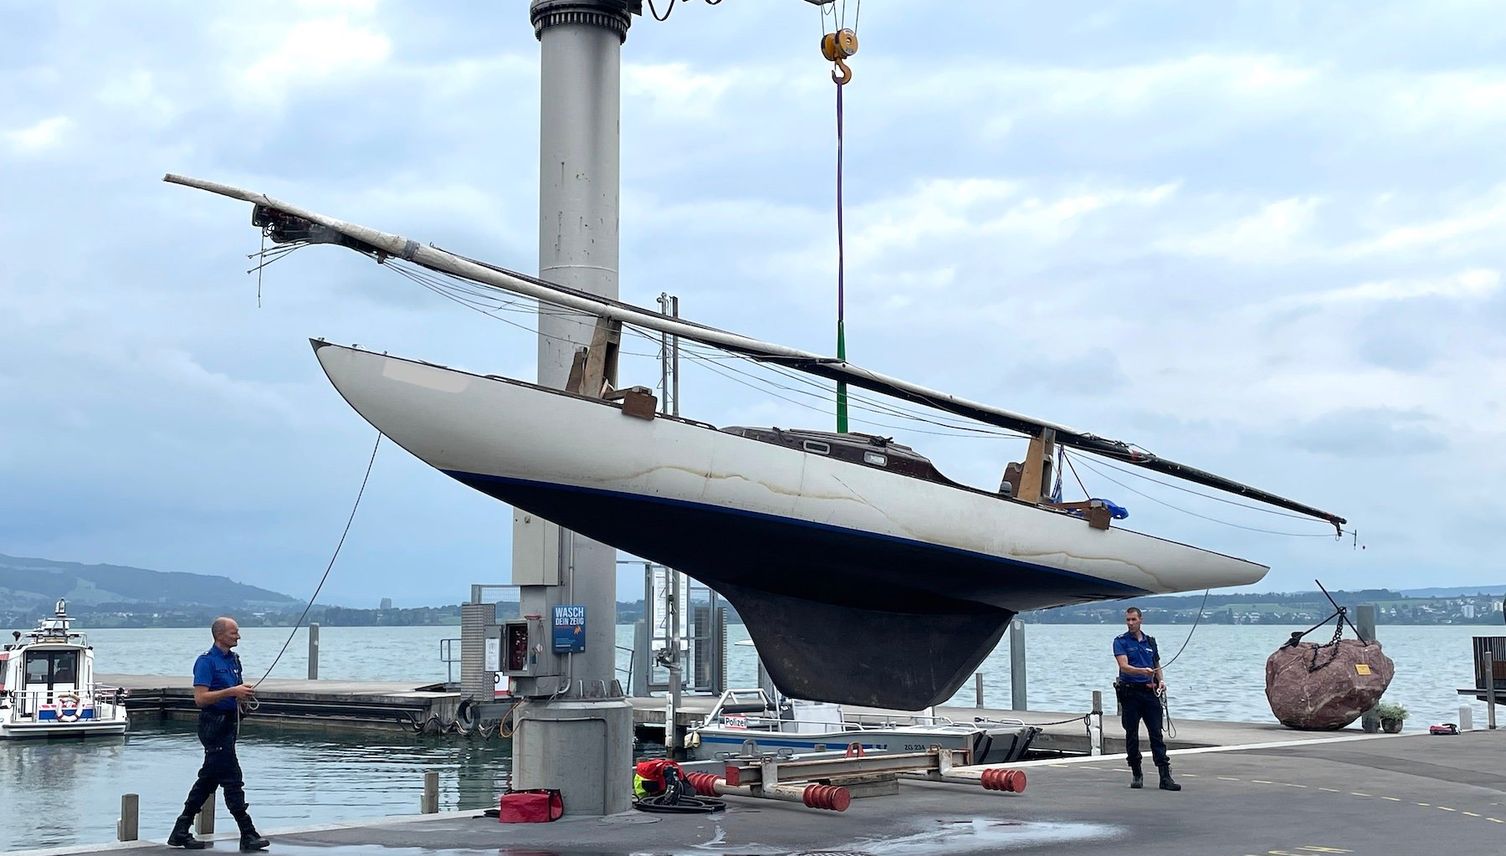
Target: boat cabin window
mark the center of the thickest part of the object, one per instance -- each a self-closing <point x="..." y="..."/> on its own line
<point x="876" y="459"/>
<point x="818" y="447"/>
<point x="47" y="668"/>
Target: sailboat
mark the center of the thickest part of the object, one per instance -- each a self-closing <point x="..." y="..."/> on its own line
<point x="863" y="574"/>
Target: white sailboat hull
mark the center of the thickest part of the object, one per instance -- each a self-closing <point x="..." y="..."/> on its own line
<point x="777" y="530"/>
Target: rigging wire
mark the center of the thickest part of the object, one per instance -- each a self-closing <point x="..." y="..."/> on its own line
<point x="1204" y="516"/>
<point x="481" y="297"/>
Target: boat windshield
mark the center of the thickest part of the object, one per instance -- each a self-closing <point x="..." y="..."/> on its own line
<point x="49" y="668"/>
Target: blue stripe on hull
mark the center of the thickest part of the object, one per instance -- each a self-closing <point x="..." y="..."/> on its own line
<point x="799" y="558"/>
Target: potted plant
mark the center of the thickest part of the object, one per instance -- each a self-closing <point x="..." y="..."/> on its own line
<point x="1391" y="716"/>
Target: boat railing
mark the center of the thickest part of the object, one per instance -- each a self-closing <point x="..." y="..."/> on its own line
<point x="26" y="704"/>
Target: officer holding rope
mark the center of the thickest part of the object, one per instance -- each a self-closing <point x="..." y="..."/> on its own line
<point x="1139" y="687"/>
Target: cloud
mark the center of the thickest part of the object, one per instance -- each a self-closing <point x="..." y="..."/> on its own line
<point x="40" y="137"/>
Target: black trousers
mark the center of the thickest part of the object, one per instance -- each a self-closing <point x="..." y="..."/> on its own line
<point x="221" y="768"/>
<point x="1136" y="703"/>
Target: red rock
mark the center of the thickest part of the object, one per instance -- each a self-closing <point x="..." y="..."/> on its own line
<point x="1333" y="694"/>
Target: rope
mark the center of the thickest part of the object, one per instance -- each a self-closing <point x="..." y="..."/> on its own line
<point x="1190" y="632"/>
<point x="327" y="568"/>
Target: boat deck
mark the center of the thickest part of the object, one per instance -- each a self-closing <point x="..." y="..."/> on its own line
<point x="1353" y="794"/>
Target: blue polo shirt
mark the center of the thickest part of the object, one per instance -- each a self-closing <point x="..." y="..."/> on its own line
<point x="218" y="670"/>
<point x="1140" y="652"/>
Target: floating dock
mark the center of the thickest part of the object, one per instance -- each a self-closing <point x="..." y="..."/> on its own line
<point x="394" y="706"/>
<point x="1351" y="794"/>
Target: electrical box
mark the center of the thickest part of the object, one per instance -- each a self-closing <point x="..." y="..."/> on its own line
<point x="535" y="550"/>
<point x="520" y="655"/>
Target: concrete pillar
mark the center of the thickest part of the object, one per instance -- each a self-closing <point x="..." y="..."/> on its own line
<point x="430" y="802"/>
<point x="203" y="822"/>
<point x="314" y="651"/>
<point x="642" y="657"/>
<point x="977" y="689"/>
<point x="130" y="812"/>
<point x="1365" y="624"/>
<point x="1017" y="665"/>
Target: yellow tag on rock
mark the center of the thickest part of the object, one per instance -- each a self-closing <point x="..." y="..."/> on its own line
<point x="1362" y="668"/>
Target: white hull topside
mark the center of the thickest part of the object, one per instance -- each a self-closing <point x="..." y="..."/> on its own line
<point x="488" y="426"/>
<point x="858" y="585"/>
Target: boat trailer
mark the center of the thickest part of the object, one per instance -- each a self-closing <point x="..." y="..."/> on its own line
<point x="826" y="782"/>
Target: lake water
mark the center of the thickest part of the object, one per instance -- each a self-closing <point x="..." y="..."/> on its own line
<point x="298" y="778"/>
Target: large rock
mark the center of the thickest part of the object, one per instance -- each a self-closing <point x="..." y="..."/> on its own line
<point x="1330" y="691"/>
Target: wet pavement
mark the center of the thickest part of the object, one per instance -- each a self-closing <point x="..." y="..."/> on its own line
<point x="1386" y="795"/>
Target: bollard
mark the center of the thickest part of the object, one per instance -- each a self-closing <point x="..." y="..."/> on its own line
<point x="1095" y="725"/>
<point x="430" y="804"/>
<point x="204" y="822"/>
<point x="1490" y="691"/>
<point x="978" y="689"/>
<point x="1017" y="665"/>
<point x="1466" y="718"/>
<point x="314" y="651"/>
<point x="1365" y="624"/>
<point x="130" y="809"/>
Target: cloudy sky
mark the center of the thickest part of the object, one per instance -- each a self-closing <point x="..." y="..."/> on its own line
<point x="1264" y="239"/>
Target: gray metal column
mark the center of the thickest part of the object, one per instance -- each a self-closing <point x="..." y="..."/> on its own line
<point x="1365" y="624"/>
<point x="314" y="651"/>
<point x="1017" y="665"/>
<point x="577" y="736"/>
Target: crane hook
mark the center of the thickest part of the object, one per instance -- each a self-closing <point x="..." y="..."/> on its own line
<point x="837" y="47"/>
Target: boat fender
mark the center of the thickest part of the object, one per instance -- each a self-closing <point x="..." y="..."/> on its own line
<point x="693" y="740"/>
<point x="68" y="712"/>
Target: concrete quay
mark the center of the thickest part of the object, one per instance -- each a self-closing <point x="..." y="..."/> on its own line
<point x="1386" y="795"/>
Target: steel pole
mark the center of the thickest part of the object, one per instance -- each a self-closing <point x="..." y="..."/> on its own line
<point x="580" y="48"/>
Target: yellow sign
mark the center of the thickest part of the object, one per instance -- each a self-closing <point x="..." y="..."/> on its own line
<point x="1362" y="668"/>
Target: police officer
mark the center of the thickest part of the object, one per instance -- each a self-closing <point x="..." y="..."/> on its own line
<point x="218" y="689"/>
<point x="1139" y="687"/>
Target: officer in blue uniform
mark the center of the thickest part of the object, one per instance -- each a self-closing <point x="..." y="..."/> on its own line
<point x="1139" y="687"/>
<point x="218" y="689"/>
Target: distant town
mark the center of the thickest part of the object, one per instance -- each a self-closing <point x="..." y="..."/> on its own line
<point x="1286" y="609"/>
<point x="1301" y="608"/>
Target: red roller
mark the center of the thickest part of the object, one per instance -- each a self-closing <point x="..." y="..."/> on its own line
<point x="1011" y="781"/>
<point x="704" y="783"/>
<point x="833" y="797"/>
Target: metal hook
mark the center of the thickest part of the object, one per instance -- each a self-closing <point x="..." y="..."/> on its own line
<point x="844" y="76"/>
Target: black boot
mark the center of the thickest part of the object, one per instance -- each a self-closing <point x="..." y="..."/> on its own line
<point x="251" y="840"/>
<point x="1137" y="778"/>
<point x="1167" y="782"/>
<point x="182" y="837"/>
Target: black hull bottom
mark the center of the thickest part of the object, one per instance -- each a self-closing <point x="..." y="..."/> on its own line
<point x="838" y="615"/>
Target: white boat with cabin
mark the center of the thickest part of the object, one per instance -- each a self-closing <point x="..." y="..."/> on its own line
<point x="47" y="685"/>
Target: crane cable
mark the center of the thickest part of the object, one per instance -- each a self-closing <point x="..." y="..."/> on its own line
<point x="837" y="46"/>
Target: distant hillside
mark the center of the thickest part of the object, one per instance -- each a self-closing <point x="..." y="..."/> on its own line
<point x="1455" y="591"/>
<point x="30" y="587"/>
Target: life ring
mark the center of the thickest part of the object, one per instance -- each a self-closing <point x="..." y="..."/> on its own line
<point x="65" y="713"/>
